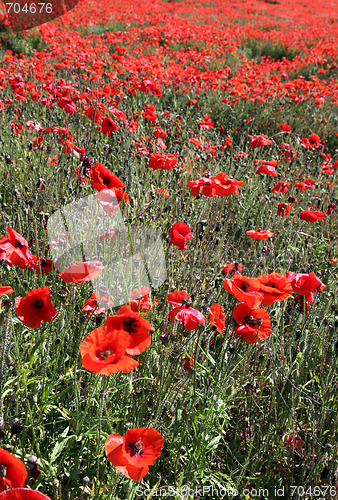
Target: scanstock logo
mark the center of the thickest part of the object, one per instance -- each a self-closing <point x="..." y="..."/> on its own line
<point x="129" y="259"/>
<point x="26" y="14"/>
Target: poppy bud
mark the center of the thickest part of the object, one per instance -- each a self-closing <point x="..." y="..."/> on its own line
<point x="8" y="160"/>
<point x="16" y="426"/>
<point x="200" y="326"/>
<point x="7" y="303"/>
<point x="2" y="429"/>
<point x="164" y="337"/>
<point x="259" y="321"/>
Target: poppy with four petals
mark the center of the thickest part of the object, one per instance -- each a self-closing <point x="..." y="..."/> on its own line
<point x="35" y="307"/>
<point x="252" y="323"/>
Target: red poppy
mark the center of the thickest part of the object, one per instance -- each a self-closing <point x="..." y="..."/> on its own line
<point x="183" y="311"/>
<point x="285" y="127"/>
<point x="23" y="494"/>
<point x="256" y="141"/>
<point x="331" y="207"/>
<point x="97" y="304"/>
<point x="179" y="234"/>
<point x="110" y="199"/>
<point x="266" y="167"/>
<point x="259" y="235"/>
<point x="280" y="187"/>
<point x="102" y="178"/>
<point x="108" y="126"/>
<point x="226" y="186"/>
<point x="205" y="185"/>
<point x="4" y="290"/>
<point x="217" y="317"/>
<point x="232" y="268"/>
<point x="311" y="215"/>
<point x="137" y="328"/>
<point x="163" y="161"/>
<point x="104" y="351"/>
<point x="160" y="133"/>
<point x="46" y="265"/>
<point x="14" y="470"/>
<point x="307" y="184"/>
<point x="133" y="453"/>
<point x="35" y="307"/>
<point x="244" y="289"/>
<point x="67" y="104"/>
<point x="275" y="287"/>
<point x="15" y="251"/>
<point x="253" y="323"/>
<point x="189" y="361"/>
<point x="284" y="209"/>
<point x="305" y="284"/>
<point x="145" y="302"/>
<point x="82" y="271"/>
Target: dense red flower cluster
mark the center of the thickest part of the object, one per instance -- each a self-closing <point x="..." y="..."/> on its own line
<point x="219" y="185"/>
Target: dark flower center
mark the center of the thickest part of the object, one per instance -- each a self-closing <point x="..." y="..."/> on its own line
<point x="18" y="244"/>
<point x="106" y="181"/>
<point x="245" y="287"/>
<point x="135" y="448"/>
<point x="271" y="285"/>
<point x="105" y="354"/>
<point x="250" y="320"/>
<point x="38" y="304"/>
<point x="131" y="325"/>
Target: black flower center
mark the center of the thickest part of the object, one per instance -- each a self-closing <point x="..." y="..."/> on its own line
<point x="135" y="448"/>
<point x="250" y="320"/>
<point x="38" y="304"/>
<point x="245" y="287"/>
<point x="105" y="354"/>
<point x="131" y="325"/>
<point x="106" y="181"/>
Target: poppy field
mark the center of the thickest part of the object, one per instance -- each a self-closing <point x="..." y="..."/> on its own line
<point x="210" y="371"/>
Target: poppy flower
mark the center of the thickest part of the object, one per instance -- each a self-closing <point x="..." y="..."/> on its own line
<point x="104" y="351"/>
<point x="46" y="265"/>
<point x="256" y="141"/>
<point x="252" y="323"/>
<point x="102" y="178"/>
<point x="305" y="284"/>
<point x="259" y="235"/>
<point x="35" y="307"/>
<point x="217" y="317"/>
<point x="4" y="290"/>
<point x="226" y="186"/>
<point x="307" y="184"/>
<point x="183" y="311"/>
<point x="137" y="328"/>
<point x="82" y="271"/>
<point x="144" y="303"/>
<point x="232" y="268"/>
<point x="284" y="209"/>
<point x="207" y="123"/>
<point x="160" y="133"/>
<point x="301" y="303"/>
<point x="15" y="251"/>
<point x="108" y="126"/>
<point x="23" y="494"/>
<point x="110" y="199"/>
<point x="189" y="361"/>
<point x="244" y="289"/>
<point x="14" y="470"/>
<point x="159" y="161"/>
<point x="67" y="104"/>
<point x="266" y="167"/>
<point x="179" y="234"/>
<point x="275" y="287"/>
<point x="97" y="304"/>
<point x="280" y="187"/>
<point x="311" y="215"/>
<point x="205" y="185"/>
<point x="133" y="453"/>
<point x="285" y="127"/>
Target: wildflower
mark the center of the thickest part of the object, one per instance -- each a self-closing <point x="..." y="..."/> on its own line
<point x="245" y="289"/>
<point x="252" y="323"/>
<point x="102" y="178"/>
<point x="285" y="127"/>
<point x="82" y="271"/>
<point x="307" y="184"/>
<point x="4" y="290"/>
<point x="217" y="317"/>
<point x="275" y="287"/>
<point x="183" y="311"/>
<point x="97" y="304"/>
<point x="284" y="209"/>
<point x="133" y="453"/>
<point x="256" y="141"/>
<point x="108" y="126"/>
<point x="311" y="215"/>
<point x="14" y="249"/>
<point x="305" y="284"/>
<point x="35" y="307"/>
<point x="179" y="234"/>
<point x="189" y="361"/>
<point x="104" y="351"/>
<point x="13" y="470"/>
<point x="232" y="268"/>
<point x="266" y="167"/>
<point x="23" y="494"/>
<point x="163" y="161"/>
<point x="259" y="235"/>
<point x="293" y="441"/>
<point x="137" y="328"/>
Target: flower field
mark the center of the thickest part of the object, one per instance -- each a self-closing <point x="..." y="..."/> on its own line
<point x="197" y="143"/>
